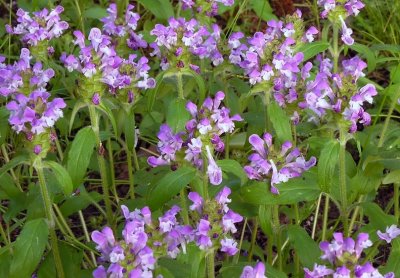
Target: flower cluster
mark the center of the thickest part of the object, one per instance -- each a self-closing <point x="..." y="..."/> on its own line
<point x="216" y="222"/>
<point x="209" y="8"/>
<point x="123" y="27"/>
<point x="269" y="59"/>
<point x="338" y="92"/>
<point x="258" y="271"/>
<point x="144" y="241"/>
<point x="178" y="41"/>
<point x="21" y="77"/>
<point x="41" y="26"/>
<point x="100" y="64"/>
<point x="31" y="111"/>
<point x="202" y="135"/>
<point x="344" y="255"/>
<point x="338" y="11"/>
<point x="264" y="162"/>
<point x="34" y="114"/>
<point x="269" y="56"/>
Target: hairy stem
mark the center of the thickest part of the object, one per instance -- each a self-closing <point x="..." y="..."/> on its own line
<point x="210" y="264"/>
<point x="50" y="219"/>
<point x="94" y="118"/>
<point x="342" y="181"/>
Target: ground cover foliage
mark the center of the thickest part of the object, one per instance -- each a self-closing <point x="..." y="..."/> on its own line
<point x="199" y="138"/>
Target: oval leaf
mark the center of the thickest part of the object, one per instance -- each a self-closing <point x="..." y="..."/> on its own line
<point x="312" y="49"/>
<point x="170" y="185"/>
<point x="29" y="248"/>
<point x="61" y="175"/>
<point x="177" y="115"/>
<point x="327" y="164"/>
<point x="79" y="155"/>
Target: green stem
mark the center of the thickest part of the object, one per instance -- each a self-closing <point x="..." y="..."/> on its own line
<point x="87" y="237"/>
<point x="277" y="229"/>
<point x="184" y="206"/>
<point x="236" y="258"/>
<point x="267" y="101"/>
<point x="336" y="52"/>
<point x="112" y="170"/>
<point x="355" y="213"/>
<point x="342" y="180"/>
<point x="50" y="219"/>
<point x="4" y="235"/>
<point x="325" y="219"/>
<point x="253" y="239"/>
<point x="94" y="118"/>
<point x="210" y="265"/>
<point x="135" y="159"/>
<point x="316" y="216"/>
<point x="180" y="85"/>
<point x="130" y="175"/>
<point x="387" y="120"/>
<point x="59" y="149"/>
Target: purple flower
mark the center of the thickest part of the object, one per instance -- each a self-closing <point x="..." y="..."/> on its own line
<point x="41" y="26"/>
<point x="262" y="165"/>
<point x="180" y="38"/>
<point x="257" y="272"/>
<point x="168" y="145"/>
<point x="197" y="201"/>
<point x="346" y="33"/>
<point x="319" y="271"/>
<point x="391" y="233"/>
<point x="37" y="149"/>
<point x="228" y="246"/>
<point x="34" y="113"/>
<point x="214" y="172"/>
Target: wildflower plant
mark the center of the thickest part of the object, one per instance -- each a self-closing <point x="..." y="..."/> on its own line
<point x="204" y="139"/>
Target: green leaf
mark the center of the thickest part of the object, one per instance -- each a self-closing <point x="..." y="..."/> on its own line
<point x="291" y="192"/>
<point x="393" y="263"/>
<point x="130" y="130"/>
<point x="71" y="259"/>
<point x="161" y="9"/>
<point x="177" y="115"/>
<point x="8" y="190"/>
<point x="327" y="164"/>
<point x="392" y="177"/>
<point x="312" y="49"/>
<point x="263" y="9"/>
<point x="78" y="106"/>
<point x="105" y="106"/>
<point x="79" y="202"/>
<point x="306" y="248"/>
<point x="4" y="125"/>
<point x="366" y="52"/>
<point x="280" y="122"/>
<point x="21" y="159"/>
<point x="29" y="248"/>
<point x="170" y="185"/>
<point x="378" y="220"/>
<point x="152" y="94"/>
<point x="62" y="176"/>
<point x="200" y="84"/>
<point x="79" y="155"/>
<point x="234" y="167"/>
<point x="95" y="12"/>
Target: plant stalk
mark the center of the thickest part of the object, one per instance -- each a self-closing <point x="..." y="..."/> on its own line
<point x="342" y="180"/>
<point x="50" y="219"/>
<point x="210" y="265"/>
<point x="94" y="118"/>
